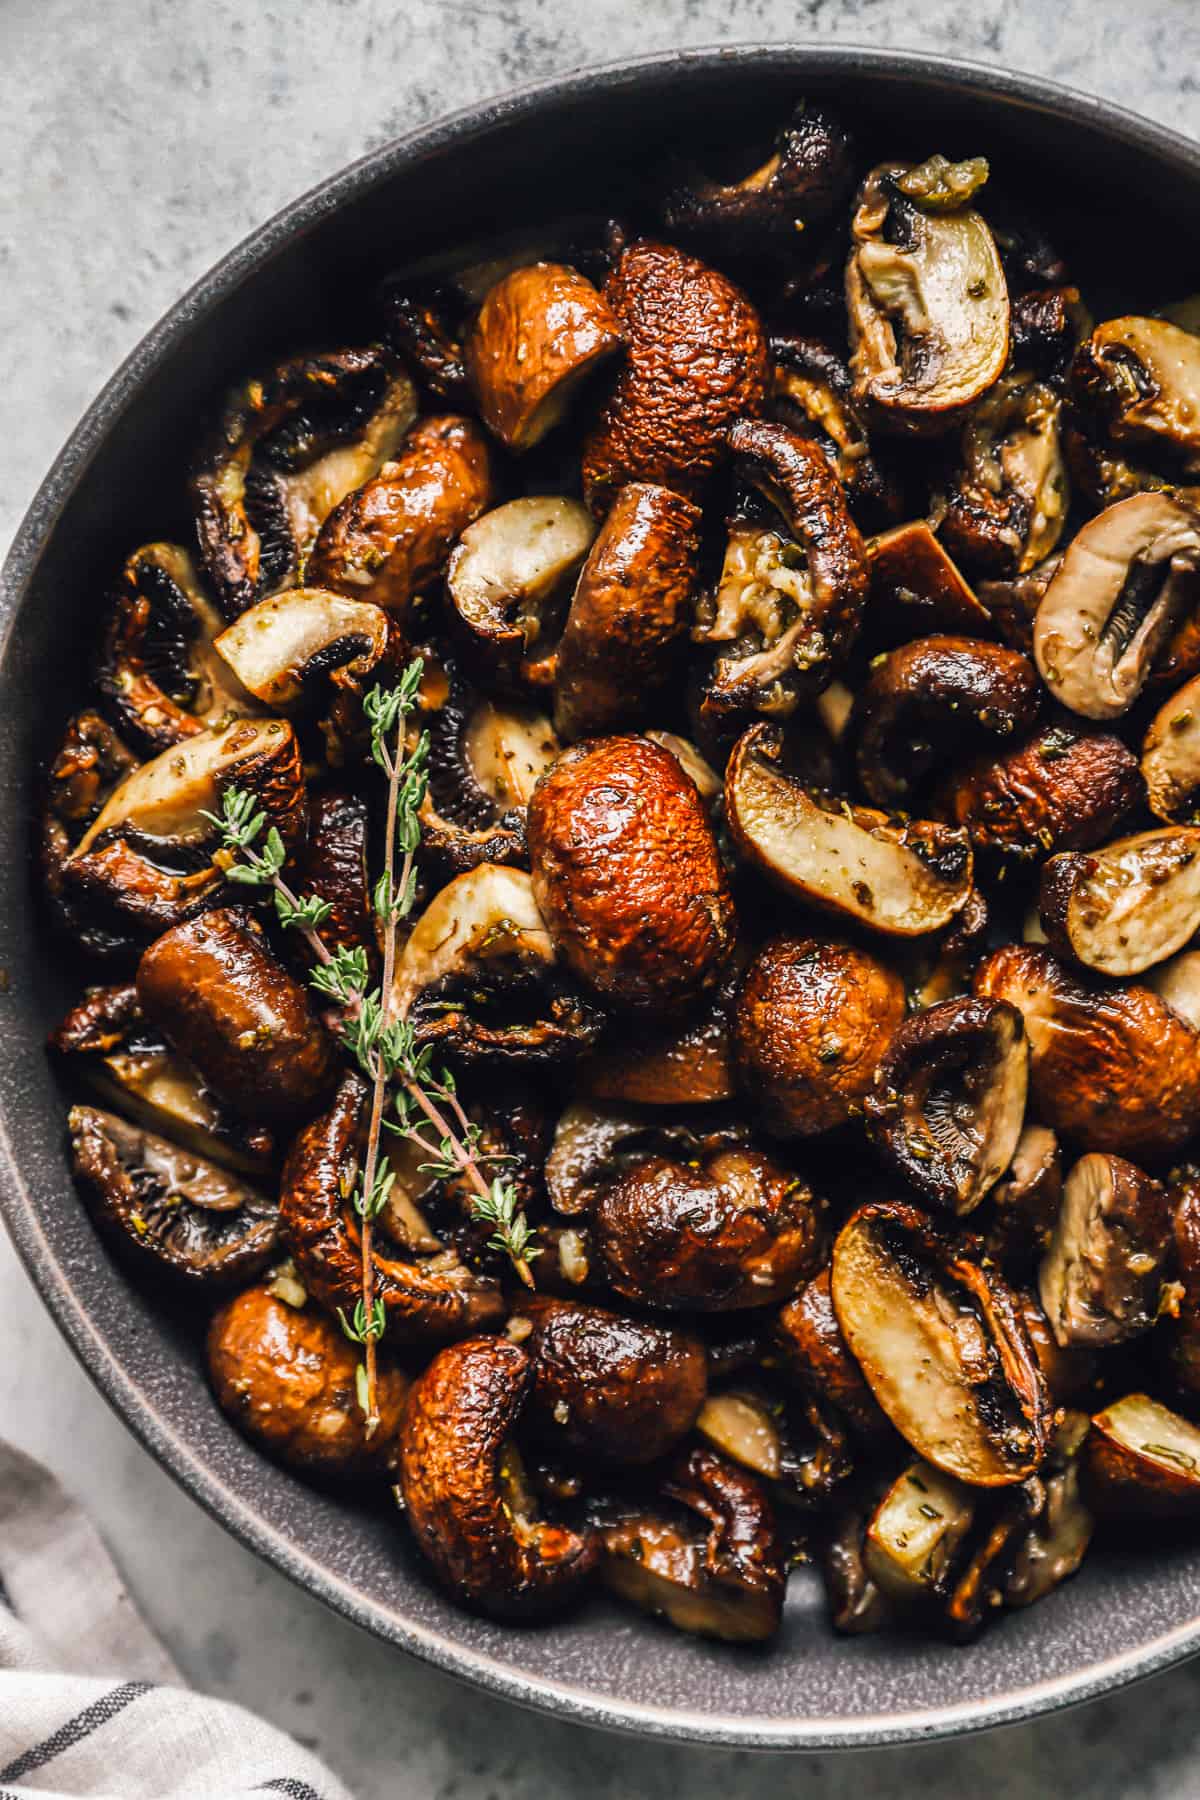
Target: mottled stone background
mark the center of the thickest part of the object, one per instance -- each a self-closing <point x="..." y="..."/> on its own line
<point x="139" y="139"/>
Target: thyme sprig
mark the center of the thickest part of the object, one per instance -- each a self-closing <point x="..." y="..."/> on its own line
<point x="424" y="1106"/>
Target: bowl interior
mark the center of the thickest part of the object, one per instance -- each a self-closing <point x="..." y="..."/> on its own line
<point x="1116" y="195"/>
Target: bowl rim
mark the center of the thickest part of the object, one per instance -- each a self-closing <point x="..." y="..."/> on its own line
<point x="169" y="1448"/>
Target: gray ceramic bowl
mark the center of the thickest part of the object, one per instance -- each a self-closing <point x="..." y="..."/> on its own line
<point x="1122" y="188"/>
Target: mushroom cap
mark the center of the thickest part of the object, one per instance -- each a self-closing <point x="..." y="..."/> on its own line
<point x="1101" y="1275"/>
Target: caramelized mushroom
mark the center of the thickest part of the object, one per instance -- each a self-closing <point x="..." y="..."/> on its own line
<point x="812" y="1022"/>
<point x="1022" y="1208"/>
<point x="539" y="332"/>
<point x="902" y="878"/>
<point x="1054" y="1546"/>
<point x="950" y="1099"/>
<point x="1171" y="757"/>
<point x="287" y="1378"/>
<point x="916" y="588"/>
<point x="1143" y="1461"/>
<point x="807" y="1343"/>
<point x="696" y="361"/>
<point x="1141" y="377"/>
<point x="1123" y="908"/>
<point x="626" y="873"/>
<point x="686" y="1064"/>
<point x="335" y="870"/>
<point x="856" y="1604"/>
<point x="812" y="393"/>
<point x="1100" y="1278"/>
<point x="460" y="1477"/>
<point x="943" y="1345"/>
<point x="917" y="1533"/>
<point x="88" y="765"/>
<point x="594" y="1144"/>
<point x="1183" y="1196"/>
<point x="1008" y="503"/>
<point x="792" y="1441"/>
<point x="509" y="577"/>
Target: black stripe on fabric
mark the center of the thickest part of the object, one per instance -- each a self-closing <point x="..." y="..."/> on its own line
<point x="76" y="1729"/>
<point x="284" y="1784"/>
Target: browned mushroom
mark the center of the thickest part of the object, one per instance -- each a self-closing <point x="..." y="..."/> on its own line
<point x="390" y="539"/>
<point x="509" y="579"/>
<point x="1183" y="1195"/>
<point x="808" y="1345"/>
<point x="901" y="877"/>
<point x="1102" y="1273"/>
<point x="931" y="698"/>
<point x="1008" y="502"/>
<point x="1171" y="757"/>
<point x="596" y="1143"/>
<point x="1123" y="908"/>
<point x="925" y="294"/>
<point x="630" y="608"/>
<point x="856" y="1603"/>
<point x="794" y="1442"/>
<point x="464" y="1497"/>
<point x="916" y="1536"/>
<point x="286" y="1376"/>
<point x="1012" y="604"/>
<point x="696" y="361"/>
<point x="1055" y="1545"/>
<point x="1120" y="591"/>
<point x="943" y="1345"/>
<point x="1021" y="1211"/>
<point x="418" y="327"/>
<point x="813" y="1020"/>
<point x="88" y="765"/>
<point x="689" y="1063"/>
<point x="627" y="875"/>
<point x="335" y="870"/>
<point x="539" y="332"/>
<point x="950" y="1099"/>
<point x="915" y="587"/>
<point x="1115" y="1068"/>
<point x="812" y="393"/>
<point x="1143" y="1461"/>
<point x="1141" y="378"/>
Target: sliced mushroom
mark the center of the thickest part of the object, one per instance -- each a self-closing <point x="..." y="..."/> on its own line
<point x="943" y="1345"/>
<point x="1058" y="1538"/>
<point x="509" y="579"/>
<point x="390" y="539"/>
<point x="793" y="1442"/>
<point x="1013" y="604"/>
<point x="696" y="360"/>
<point x="287" y="1379"/>
<point x="290" y="445"/>
<point x="1143" y="1461"/>
<point x="1123" y="586"/>
<point x="930" y="700"/>
<point x="722" y="1577"/>
<point x="902" y="878"/>
<point x="950" y="1099"/>
<point x="925" y="294"/>
<point x="813" y="1020"/>
<point x="627" y="875"/>
<point x="172" y="1212"/>
<point x="466" y="1503"/>
<point x="916" y="588"/>
<point x="1022" y="1208"/>
<point x="1101" y="1276"/>
<point x="916" y="1534"/>
<point x="808" y="1345"/>
<point x="788" y="606"/>
<point x="595" y="1143"/>
<point x="629" y="611"/>
<point x="157" y="673"/>
<point x="1115" y="1068"/>
<point x="1142" y="378"/>
<point x="735" y="1230"/>
<point x="1123" y="908"/>
<point x="1171" y="757"/>
<point x="91" y="761"/>
<point x="812" y="393"/>
<point x="539" y="333"/>
<point x="277" y="647"/>
<point x="426" y="1300"/>
<point x="1008" y="502"/>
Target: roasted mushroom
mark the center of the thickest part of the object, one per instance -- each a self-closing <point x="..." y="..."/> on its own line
<point x="509" y="579"/>
<point x="90" y="762"/>
<point x="290" y="446"/>
<point x="812" y="393"/>
<point x="696" y="360"/>
<point x="943" y="1345"/>
<point x="461" y="1481"/>
<point x="1057" y="1540"/>
<point x="813" y="1020"/>
<point x="1115" y="1068"/>
<point x="1171" y="757"/>
<point x="807" y="1344"/>
<point x="1102" y="1273"/>
<point x="916" y="1534"/>
<point x="1121" y="589"/>
<point x="926" y="295"/>
<point x="1007" y="504"/>
<point x="1021" y="1211"/>
<point x="795" y="1442"/>
<point x="286" y="1376"/>
<point x="1183" y="1197"/>
<point x="626" y="873"/>
<point x="915" y="587"/>
<point x="1143" y="1461"/>
<point x="335" y="870"/>
<point x="1123" y="908"/>
<point x="689" y="1063"/>
<point x="539" y="333"/>
<point x="167" y="1209"/>
<point x="949" y="1100"/>
<point x="900" y="877"/>
<point x="1139" y="378"/>
<point x="596" y="1143"/>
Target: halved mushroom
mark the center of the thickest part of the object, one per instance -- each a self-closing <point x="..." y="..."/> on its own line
<point x="335" y="870"/>
<point x="1101" y="1277"/>
<point x="540" y="331"/>
<point x="286" y="1376"/>
<point x="169" y="1210"/>
<point x="1143" y="1461"/>
<point x="901" y="877"/>
<point x="623" y="1390"/>
<point x="1123" y="908"/>
<point x="925" y="293"/>
<point x="418" y="327"/>
<point x="725" y="1579"/>
<point x="932" y="699"/>
<point x="1012" y="604"/>
<point x="1008" y="500"/>
<point x="916" y="588"/>
<point x="277" y="647"/>
<point x="1142" y="378"/>
<point x="794" y="1442"/>
<point x="801" y="184"/>
<point x="949" y="1101"/>
<point x="812" y="393"/>
<point x="734" y="1230"/>
<point x="89" y="764"/>
<point x="509" y="579"/>
<point x="1171" y="757"/>
<point x="813" y="1020"/>
<point x="1022" y="1208"/>
<point x="469" y="1509"/>
<point x="1058" y="1537"/>
<point x="807" y="1344"/>
<point x="630" y="608"/>
<point x="430" y="1299"/>
<point x="1112" y="1067"/>
<point x="788" y="605"/>
<point x="289" y="446"/>
<point x="943" y="1345"/>
<point x="627" y="874"/>
<point x="390" y="539"/>
<point x="1067" y="788"/>
<point x="696" y="360"/>
<point x="157" y="672"/>
<point x="916" y="1535"/>
<point x="1126" y="580"/>
<point x="596" y="1143"/>
<point x="480" y="977"/>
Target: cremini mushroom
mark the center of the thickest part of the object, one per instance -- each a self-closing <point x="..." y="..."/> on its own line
<point x="1183" y="1329"/>
<point x="88" y="764"/>
<point x="807" y="1344"/>
<point x="811" y="392"/>
<point x="916" y="1534"/>
<point x="686" y="1062"/>
<point x="1125" y="907"/>
<point x="1142" y="1460"/>
<point x="1171" y="757"/>
<point x="335" y="870"/>
<point x="1101" y="1275"/>
<point x="794" y="1442"/>
<point x="1007" y="503"/>
<point x="510" y="578"/>
<point x="596" y="1142"/>
<point x="419" y="327"/>
<point x="1021" y="1211"/>
<point x="915" y="587"/>
<point x="1141" y="378"/>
